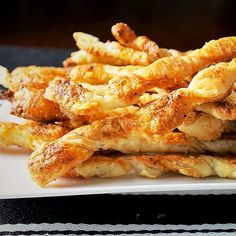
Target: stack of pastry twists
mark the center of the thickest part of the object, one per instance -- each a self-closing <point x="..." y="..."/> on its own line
<point x="127" y="106"/>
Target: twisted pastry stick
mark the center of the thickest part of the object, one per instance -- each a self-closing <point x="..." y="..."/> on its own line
<point x="29" y="83"/>
<point x="202" y="126"/>
<point x="55" y="159"/>
<point x="29" y="135"/>
<point x="99" y="73"/>
<point x="77" y="99"/>
<point x="118" y="55"/>
<point x="199" y="166"/>
<point x="34" y="78"/>
<point x="26" y="101"/>
<point x="24" y="106"/>
<point x="127" y="37"/>
<point x="31" y="104"/>
<point x="210" y="85"/>
<point x="82" y="57"/>
<point x="74" y="99"/>
<point x="32" y="134"/>
<point x="223" y="110"/>
<point x="127" y="134"/>
<point x="164" y="73"/>
<point x="31" y="77"/>
<point x="67" y="99"/>
<point x="197" y="126"/>
<point x="114" y="50"/>
<point x="152" y="166"/>
<point x="101" y="166"/>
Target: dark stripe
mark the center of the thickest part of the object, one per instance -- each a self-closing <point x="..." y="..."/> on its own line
<point x="66" y="232"/>
<point x="152" y="209"/>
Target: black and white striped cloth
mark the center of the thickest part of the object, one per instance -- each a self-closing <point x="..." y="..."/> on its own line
<point x="119" y="229"/>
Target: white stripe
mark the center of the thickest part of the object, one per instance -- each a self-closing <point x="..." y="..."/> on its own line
<point x="108" y="227"/>
<point x="137" y="234"/>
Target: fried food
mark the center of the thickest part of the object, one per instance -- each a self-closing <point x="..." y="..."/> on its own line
<point x="34" y="77"/>
<point x="74" y="99"/>
<point x="200" y="166"/>
<point x="126" y="107"/>
<point x="209" y="85"/>
<point x="32" y="134"/>
<point x="99" y="73"/>
<point x="167" y="72"/>
<point x="118" y="165"/>
<point x="164" y="73"/>
<point x="72" y="102"/>
<point x="113" y="50"/>
<point x="29" y="135"/>
<point x="122" y="134"/>
<point x="65" y="94"/>
<point x="82" y="57"/>
<point x="223" y="110"/>
<point x="127" y="37"/>
<point x="55" y="159"/>
<point x="146" y="142"/>
<point x="153" y="166"/>
<point x="101" y="166"/>
<point x="26" y="100"/>
<point x="196" y="124"/>
<point x="146" y="165"/>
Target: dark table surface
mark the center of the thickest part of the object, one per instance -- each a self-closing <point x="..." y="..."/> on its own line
<point x="121" y="209"/>
<point x="109" y="209"/>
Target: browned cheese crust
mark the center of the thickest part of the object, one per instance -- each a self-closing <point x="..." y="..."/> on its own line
<point x="153" y="166"/>
<point x="29" y="135"/>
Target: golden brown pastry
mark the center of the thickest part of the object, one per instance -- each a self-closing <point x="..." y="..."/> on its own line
<point x="149" y="110"/>
<point x="125" y="134"/>
<point x="127" y="37"/>
<point x="209" y="85"/>
<point x="164" y="73"/>
<point x="31" y="104"/>
<point x="99" y="73"/>
<point x="29" y="135"/>
<point x="113" y="50"/>
<point x="36" y="77"/>
<point x="155" y="165"/>
<point x="224" y="109"/>
<point x="82" y="57"/>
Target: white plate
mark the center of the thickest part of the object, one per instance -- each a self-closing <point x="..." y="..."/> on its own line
<point x="15" y="181"/>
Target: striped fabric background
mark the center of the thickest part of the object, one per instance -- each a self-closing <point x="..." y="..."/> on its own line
<point x="106" y="229"/>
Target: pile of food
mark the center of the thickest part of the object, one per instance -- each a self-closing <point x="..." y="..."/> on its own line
<point x="126" y="106"/>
